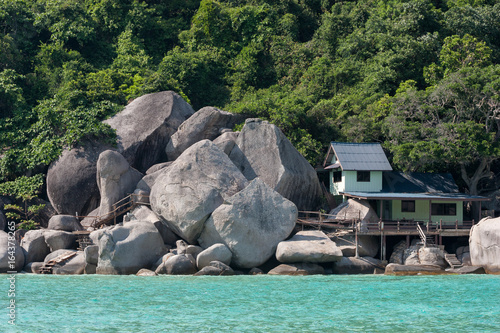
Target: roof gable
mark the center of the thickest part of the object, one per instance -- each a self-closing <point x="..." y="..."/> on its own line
<point x="360" y="156"/>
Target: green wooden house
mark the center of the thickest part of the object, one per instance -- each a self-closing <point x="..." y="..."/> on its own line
<point x="361" y="171"/>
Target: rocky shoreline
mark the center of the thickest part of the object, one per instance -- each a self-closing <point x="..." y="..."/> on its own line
<point x="214" y="202"/>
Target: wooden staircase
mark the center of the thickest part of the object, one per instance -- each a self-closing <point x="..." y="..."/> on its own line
<point x="120" y="208"/>
<point x="452" y="260"/>
<point x="49" y="265"/>
<point x="427" y="240"/>
<point x="83" y="239"/>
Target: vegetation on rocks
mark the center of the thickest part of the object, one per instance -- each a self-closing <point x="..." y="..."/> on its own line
<point x="422" y="77"/>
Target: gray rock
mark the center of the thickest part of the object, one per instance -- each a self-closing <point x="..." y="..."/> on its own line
<point x="90" y="269"/>
<point x="355" y="210"/>
<point x="251" y="223"/>
<point x="71" y="180"/>
<point x="297" y="269"/>
<point x="361" y="265"/>
<point x="194" y="250"/>
<point x="128" y="248"/>
<point x="226" y="141"/>
<point x="397" y="256"/>
<point x="34" y="267"/>
<point x="64" y="223"/>
<point x="256" y="271"/>
<point x="484" y="244"/>
<point x="143" y="213"/>
<point x="58" y="239"/>
<point x="226" y="270"/>
<point x="147" y="182"/>
<point x="395" y="269"/>
<point x="193" y="187"/>
<point x="115" y="179"/>
<point x="263" y="151"/>
<point x="7" y="241"/>
<point x="177" y="265"/>
<point x="91" y="253"/>
<point x="206" y="123"/>
<point x="181" y="246"/>
<point x="146" y="272"/>
<point x="368" y="246"/>
<point x="158" y="167"/>
<point x="88" y="221"/>
<point x="432" y="256"/>
<point x="74" y="265"/>
<point x="219" y="252"/>
<point x="57" y="253"/>
<point x="144" y="127"/>
<point x="308" y="246"/>
<point x="209" y="270"/>
<point x="34" y="245"/>
<point x="410" y="255"/>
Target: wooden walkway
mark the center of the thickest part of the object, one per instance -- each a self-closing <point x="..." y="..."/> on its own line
<point x="119" y="208"/>
<point x="325" y="221"/>
<point x="49" y="265"/>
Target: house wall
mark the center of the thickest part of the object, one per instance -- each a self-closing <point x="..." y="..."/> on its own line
<point x="422" y="212"/>
<point x="336" y="188"/>
<point x="352" y="184"/>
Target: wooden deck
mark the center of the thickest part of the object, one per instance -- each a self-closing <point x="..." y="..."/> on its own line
<point x="384" y="227"/>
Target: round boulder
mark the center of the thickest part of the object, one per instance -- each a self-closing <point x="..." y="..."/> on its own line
<point x="9" y="247"/>
<point x="484" y="245"/>
<point x="308" y="246"/>
<point x="194" y="185"/>
<point x="263" y="151"/>
<point x="251" y="223"/>
<point x="128" y="248"/>
<point x="34" y="246"/>
<point x="219" y="252"/>
<point x="64" y="223"/>
<point x="297" y="269"/>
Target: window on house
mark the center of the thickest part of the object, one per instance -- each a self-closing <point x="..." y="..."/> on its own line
<point x="363" y="176"/>
<point x="337" y="176"/>
<point x="444" y="209"/>
<point x="408" y="206"/>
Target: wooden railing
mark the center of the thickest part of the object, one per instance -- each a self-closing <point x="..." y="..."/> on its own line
<point x="118" y="208"/>
<point x="320" y="219"/>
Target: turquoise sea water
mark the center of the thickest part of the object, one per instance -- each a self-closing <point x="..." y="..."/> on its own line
<point x="333" y="303"/>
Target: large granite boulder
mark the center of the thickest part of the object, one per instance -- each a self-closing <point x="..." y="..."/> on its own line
<point x="251" y="224"/>
<point x="196" y="184"/>
<point x="7" y="241"/>
<point x="71" y="180"/>
<point x="484" y="245"/>
<point x="368" y="246"/>
<point x="206" y="123"/>
<point x="64" y="223"/>
<point x="58" y="239"/>
<point x="432" y="256"/>
<point x="308" y="246"/>
<point x="226" y="141"/>
<point x="216" y="252"/>
<point x="263" y="151"/>
<point x="115" y="179"/>
<point x="73" y="265"/>
<point x="143" y="213"/>
<point x="34" y="246"/>
<point x="143" y="130"/>
<point x="397" y="256"/>
<point x="128" y="248"/>
<point x="361" y="265"/>
<point x="144" y="127"/>
<point x="395" y="269"/>
<point x="297" y="269"/>
<point x="359" y="210"/>
<point x="179" y="264"/>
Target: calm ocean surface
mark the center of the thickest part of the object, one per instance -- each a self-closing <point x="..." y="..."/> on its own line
<point x="356" y="303"/>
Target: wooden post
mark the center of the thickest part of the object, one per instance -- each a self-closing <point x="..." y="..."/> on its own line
<point x="357" y="253"/>
<point x="398" y="225"/>
<point x="407" y="241"/>
<point x="479" y="217"/>
<point x="430" y="210"/>
<point x="384" y="249"/>
<point x="441" y="224"/>
<point x="456" y="224"/>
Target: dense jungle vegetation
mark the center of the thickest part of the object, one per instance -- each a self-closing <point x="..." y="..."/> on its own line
<point x="422" y="77"/>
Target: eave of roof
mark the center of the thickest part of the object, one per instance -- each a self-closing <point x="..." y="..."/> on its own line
<point x="414" y="196"/>
<point x="360" y="156"/>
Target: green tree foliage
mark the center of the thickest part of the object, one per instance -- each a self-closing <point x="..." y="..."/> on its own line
<point x="420" y="76"/>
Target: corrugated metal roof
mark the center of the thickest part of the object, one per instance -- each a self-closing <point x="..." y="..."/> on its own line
<point x="418" y="182"/>
<point x="361" y="156"/>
